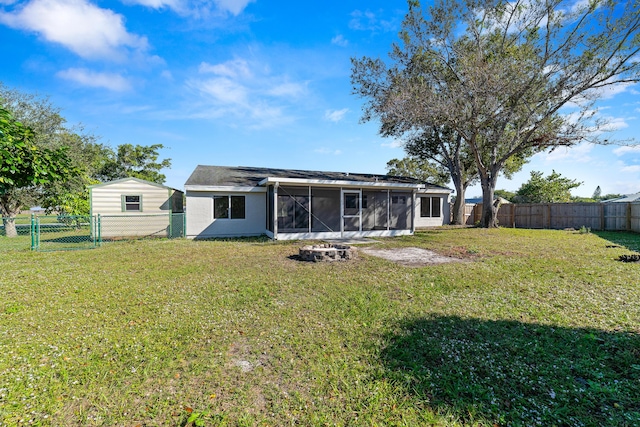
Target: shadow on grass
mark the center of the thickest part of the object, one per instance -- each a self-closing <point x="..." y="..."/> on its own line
<point x="625" y="239"/>
<point x="510" y="373"/>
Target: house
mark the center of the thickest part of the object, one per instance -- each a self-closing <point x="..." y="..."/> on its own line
<point x="629" y="198"/>
<point x="297" y="204"/>
<point x="135" y="207"/>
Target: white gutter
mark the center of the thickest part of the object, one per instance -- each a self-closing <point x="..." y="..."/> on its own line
<point x="339" y="183"/>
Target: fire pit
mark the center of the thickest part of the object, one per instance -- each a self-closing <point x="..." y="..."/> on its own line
<point x="326" y="252"/>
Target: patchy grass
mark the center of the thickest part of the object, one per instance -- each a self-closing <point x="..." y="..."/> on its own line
<point x="541" y="328"/>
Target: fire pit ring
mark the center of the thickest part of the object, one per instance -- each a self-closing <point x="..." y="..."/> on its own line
<point x="326" y="252"/>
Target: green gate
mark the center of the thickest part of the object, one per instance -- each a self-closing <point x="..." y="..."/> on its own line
<point x="64" y="232"/>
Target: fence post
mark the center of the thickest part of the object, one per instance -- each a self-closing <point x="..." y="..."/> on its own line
<point x="170" y="236"/>
<point x="99" y="227"/>
<point x="184" y="224"/>
<point x="628" y="216"/>
<point x="33" y="232"/>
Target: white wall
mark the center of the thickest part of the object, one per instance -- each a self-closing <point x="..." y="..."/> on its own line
<point x="107" y="199"/>
<point x="201" y="224"/>
<point x="445" y="212"/>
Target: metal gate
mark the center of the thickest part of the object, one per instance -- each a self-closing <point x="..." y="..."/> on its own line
<point x="64" y="232"/>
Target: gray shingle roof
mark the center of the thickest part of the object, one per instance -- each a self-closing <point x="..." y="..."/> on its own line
<point x="250" y="176"/>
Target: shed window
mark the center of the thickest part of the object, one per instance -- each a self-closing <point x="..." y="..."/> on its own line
<point x="131" y="203"/>
<point x="430" y="207"/>
<point x="229" y="207"/>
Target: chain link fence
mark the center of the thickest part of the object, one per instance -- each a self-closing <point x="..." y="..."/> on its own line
<point x="70" y="232"/>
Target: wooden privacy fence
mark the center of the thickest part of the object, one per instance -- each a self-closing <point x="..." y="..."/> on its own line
<point x="596" y="216"/>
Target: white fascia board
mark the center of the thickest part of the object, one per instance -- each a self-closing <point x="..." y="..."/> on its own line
<point x="338" y="183"/>
<point x="435" y="191"/>
<point x="227" y="189"/>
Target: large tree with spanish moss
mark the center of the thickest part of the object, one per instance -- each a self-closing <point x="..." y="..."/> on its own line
<point x="510" y="78"/>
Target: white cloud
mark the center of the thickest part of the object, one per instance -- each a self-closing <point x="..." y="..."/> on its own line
<point x="78" y="25"/>
<point x="396" y="143"/>
<point x="368" y="21"/>
<point x="114" y="82"/>
<point x="335" y="115"/>
<point x="235" y="7"/>
<point x="621" y="151"/>
<point x="631" y="169"/>
<point x="245" y="91"/>
<point x="288" y="90"/>
<point x="199" y="8"/>
<point x="578" y="154"/>
<point x="339" y="40"/>
<point x="236" y="68"/>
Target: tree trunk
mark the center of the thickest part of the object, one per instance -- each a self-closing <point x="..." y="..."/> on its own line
<point x="9" y="226"/>
<point x="9" y="208"/>
<point x="458" y="205"/>
<point x="489" y="209"/>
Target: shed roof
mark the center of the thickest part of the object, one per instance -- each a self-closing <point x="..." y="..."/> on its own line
<point x="130" y="178"/>
<point x="244" y="176"/>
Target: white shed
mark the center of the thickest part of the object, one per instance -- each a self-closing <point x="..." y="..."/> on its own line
<point x="134" y="207"/>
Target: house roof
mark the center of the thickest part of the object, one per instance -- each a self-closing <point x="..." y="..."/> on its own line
<point x="117" y="181"/>
<point x="625" y="199"/>
<point x="243" y="176"/>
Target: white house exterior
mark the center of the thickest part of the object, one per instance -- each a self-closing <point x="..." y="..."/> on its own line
<point x="134" y="207"/>
<point x="293" y="204"/>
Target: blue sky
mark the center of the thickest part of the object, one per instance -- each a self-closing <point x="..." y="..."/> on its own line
<point x="245" y="83"/>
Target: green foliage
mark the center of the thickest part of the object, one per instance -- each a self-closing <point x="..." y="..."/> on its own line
<point x="551" y="189"/>
<point x="507" y="195"/>
<point x="135" y="161"/>
<point x="420" y="169"/>
<point x="491" y="74"/>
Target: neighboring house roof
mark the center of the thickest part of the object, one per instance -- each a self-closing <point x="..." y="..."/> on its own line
<point x="625" y="199"/>
<point x="225" y="176"/>
<point x="142" y="181"/>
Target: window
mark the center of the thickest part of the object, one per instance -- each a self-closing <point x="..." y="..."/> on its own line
<point x="398" y="200"/>
<point x="237" y="207"/>
<point x="131" y="203"/>
<point x="225" y="207"/>
<point x="430" y="207"/>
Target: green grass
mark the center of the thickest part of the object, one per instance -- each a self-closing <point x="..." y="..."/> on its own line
<point x="536" y="328"/>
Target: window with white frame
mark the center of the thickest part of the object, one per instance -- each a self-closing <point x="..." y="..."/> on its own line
<point x="131" y="203"/>
<point x="430" y="207"/>
<point x="225" y="207"/>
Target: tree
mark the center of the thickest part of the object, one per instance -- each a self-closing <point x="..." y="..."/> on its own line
<point x="24" y="165"/>
<point x="511" y="78"/>
<point x="597" y="193"/>
<point x="507" y="195"/>
<point x="414" y="167"/>
<point x="551" y="189"/>
<point x="134" y="161"/>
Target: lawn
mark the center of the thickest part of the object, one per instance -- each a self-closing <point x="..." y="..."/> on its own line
<point x="535" y="328"/>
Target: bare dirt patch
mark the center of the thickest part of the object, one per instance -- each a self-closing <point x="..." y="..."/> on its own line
<point x="411" y="257"/>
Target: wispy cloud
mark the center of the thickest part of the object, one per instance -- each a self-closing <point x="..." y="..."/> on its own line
<point x="578" y="154"/>
<point x="84" y="77"/>
<point x="245" y="91"/>
<point x="370" y="21"/>
<point x="396" y="143"/>
<point x="621" y="151"/>
<point x="82" y="27"/>
<point x="630" y="169"/>
<point x="198" y="8"/>
<point x="339" y="40"/>
<point x="335" y="115"/>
